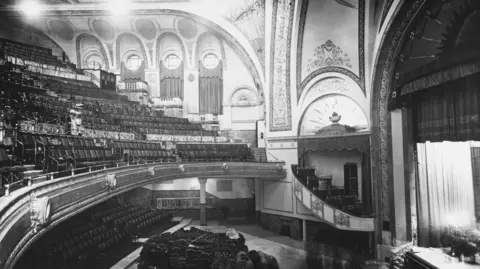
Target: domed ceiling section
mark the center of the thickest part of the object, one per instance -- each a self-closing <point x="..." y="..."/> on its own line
<point x="187" y="28"/>
<point x="146" y="28"/>
<point x="103" y="29"/>
<point x="62" y="30"/>
<point x="443" y="29"/>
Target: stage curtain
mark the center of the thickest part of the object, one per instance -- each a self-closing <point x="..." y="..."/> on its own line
<point x="444" y="189"/>
<point x="475" y="152"/>
<point x="210" y="91"/>
<point x="449" y="112"/>
<point x="171" y="81"/>
<point x="139" y="73"/>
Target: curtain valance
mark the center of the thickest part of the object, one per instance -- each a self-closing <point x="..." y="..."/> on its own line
<point x="358" y="142"/>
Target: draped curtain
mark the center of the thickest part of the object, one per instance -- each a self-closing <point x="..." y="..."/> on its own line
<point x="449" y="112"/>
<point x="444" y="189"/>
<point x="139" y="73"/>
<point x="171" y="81"/>
<point x="210" y="93"/>
<point x="475" y="152"/>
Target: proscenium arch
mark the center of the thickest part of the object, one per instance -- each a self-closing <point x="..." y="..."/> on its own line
<point x="119" y="57"/>
<point x="103" y="50"/>
<point x="381" y="137"/>
<point x="323" y="96"/>
<point x="158" y="53"/>
<point x="197" y="53"/>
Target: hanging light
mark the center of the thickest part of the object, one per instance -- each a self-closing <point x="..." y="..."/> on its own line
<point x="31" y="8"/>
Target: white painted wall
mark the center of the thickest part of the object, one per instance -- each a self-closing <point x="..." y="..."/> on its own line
<point x="242" y="187"/>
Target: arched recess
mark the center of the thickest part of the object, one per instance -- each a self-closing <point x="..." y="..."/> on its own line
<point x="251" y="93"/>
<point x="381" y="137"/>
<point x="198" y="53"/>
<point x="118" y="50"/>
<point x="171" y="76"/>
<point x="330" y="83"/>
<point x="324" y="106"/>
<point x="81" y="53"/>
<point x="159" y="54"/>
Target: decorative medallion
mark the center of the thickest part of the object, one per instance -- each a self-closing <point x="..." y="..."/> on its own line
<point x="360" y="79"/>
<point x="298" y="189"/>
<point x="279" y="167"/>
<point x="328" y="54"/>
<point x="151" y="170"/>
<point x="181" y="168"/>
<point x="191" y="77"/>
<point x="280" y="104"/>
<point x="225" y="167"/>
<point x="317" y="206"/>
<point x="39" y="212"/>
<point x="341" y="219"/>
<point x="110" y="182"/>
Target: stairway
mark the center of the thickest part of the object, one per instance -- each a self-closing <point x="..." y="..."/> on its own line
<point x="259" y="154"/>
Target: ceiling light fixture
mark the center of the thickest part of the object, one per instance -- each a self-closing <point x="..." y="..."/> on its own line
<point x="31" y="8"/>
<point x="119" y="7"/>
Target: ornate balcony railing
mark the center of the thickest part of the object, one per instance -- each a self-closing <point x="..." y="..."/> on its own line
<point x="28" y="213"/>
<point x="330" y="214"/>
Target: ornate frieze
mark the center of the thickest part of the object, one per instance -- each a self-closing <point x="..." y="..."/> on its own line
<point x="280" y="44"/>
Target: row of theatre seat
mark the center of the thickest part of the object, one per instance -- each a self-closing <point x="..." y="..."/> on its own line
<point x="84" y="239"/>
<point x="214" y="152"/>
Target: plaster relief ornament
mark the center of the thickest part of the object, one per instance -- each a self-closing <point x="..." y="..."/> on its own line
<point x="328" y="54"/>
<point x="225" y="167"/>
<point x="110" y="182"/>
<point x="151" y="170"/>
<point x="39" y="212"/>
<point x="181" y="168"/>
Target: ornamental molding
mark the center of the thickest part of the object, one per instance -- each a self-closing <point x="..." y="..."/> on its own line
<point x="360" y="79"/>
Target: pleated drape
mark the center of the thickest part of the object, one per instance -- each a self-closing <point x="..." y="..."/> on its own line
<point x="171" y="81"/>
<point x="449" y="112"/>
<point x="210" y="91"/>
<point x="139" y="73"/>
<point x="444" y="190"/>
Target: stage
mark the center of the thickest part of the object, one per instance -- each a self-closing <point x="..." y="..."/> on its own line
<point x="438" y="259"/>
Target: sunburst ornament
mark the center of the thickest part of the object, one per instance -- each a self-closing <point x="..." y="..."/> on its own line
<point x="332" y="110"/>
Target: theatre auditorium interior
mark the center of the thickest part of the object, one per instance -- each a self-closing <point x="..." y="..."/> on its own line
<point x="239" y="134"/>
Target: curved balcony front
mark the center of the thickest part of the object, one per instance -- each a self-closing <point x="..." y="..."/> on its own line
<point x="328" y="213"/>
<point x="27" y="213"/>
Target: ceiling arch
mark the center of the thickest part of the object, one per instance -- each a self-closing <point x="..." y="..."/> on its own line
<point x="103" y="50"/>
<point x="225" y="29"/>
<point x="137" y="39"/>
<point x="197" y="53"/>
<point x="158" y="43"/>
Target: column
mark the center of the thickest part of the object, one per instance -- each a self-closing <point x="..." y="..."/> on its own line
<point x="203" y="202"/>
<point x="304" y="230"/>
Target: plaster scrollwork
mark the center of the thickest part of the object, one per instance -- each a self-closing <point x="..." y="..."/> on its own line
<point x="39" y="212"/>
<point x="328" y="54"/>
<point x="225" y="167"/>
<point x="317" y="206"/>
<point x="151" y="170"/>
<point x="326" y="86"/>
<point x="280" y="99"/>
<point x="341" y="219"/>
<point x="279" y="167"/>
<point x="110" y="182"/>
<point x="245" y="97"/>
<point x="181" y="168"/>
